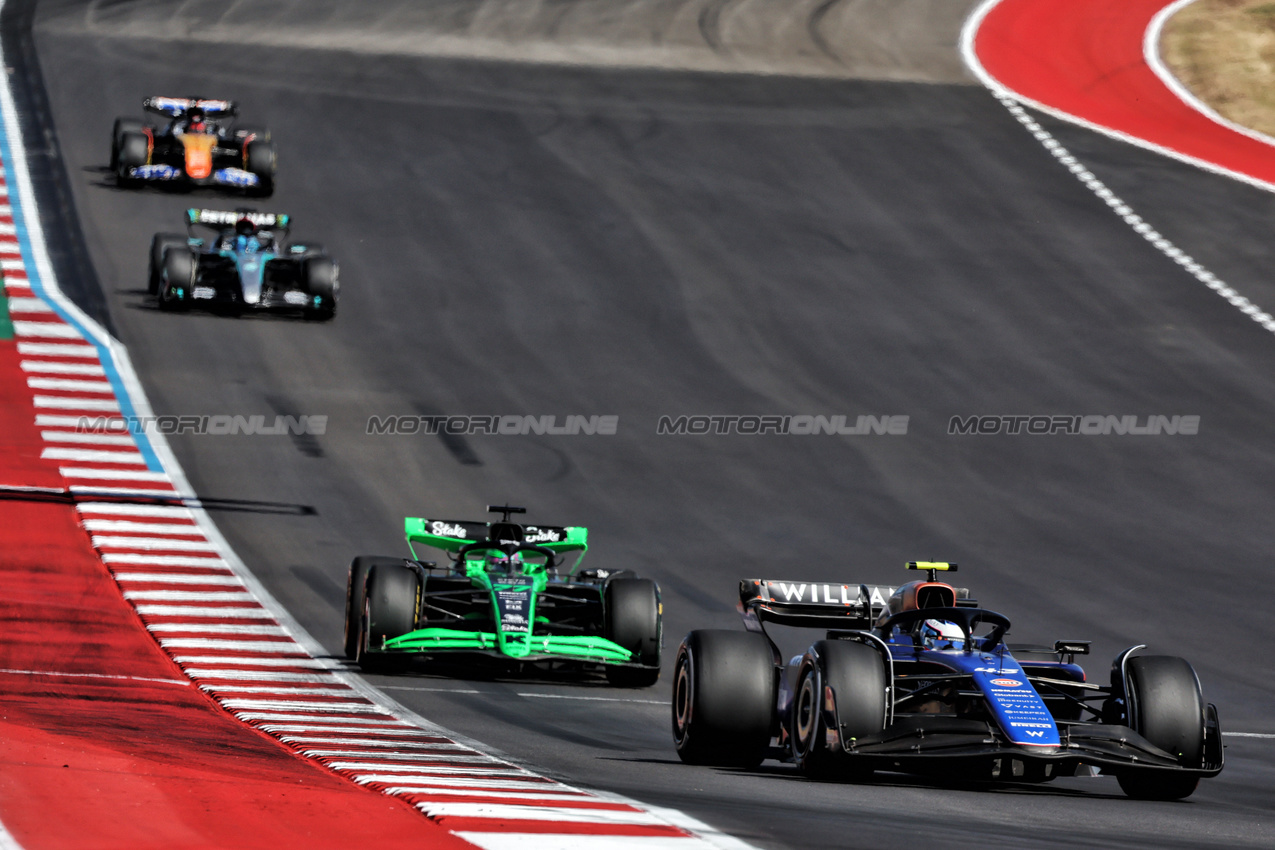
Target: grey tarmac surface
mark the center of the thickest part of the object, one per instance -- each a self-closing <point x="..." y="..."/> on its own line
<point x="547" y="240"/>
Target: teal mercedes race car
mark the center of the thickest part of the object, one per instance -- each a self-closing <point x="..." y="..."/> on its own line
<point x="502" y="599"/>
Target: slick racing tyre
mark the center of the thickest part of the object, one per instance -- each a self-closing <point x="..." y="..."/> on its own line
<point x="160" y="245"/>
<point x="631" y="614"/>
<point x="176" y="287"/>
<point x="321" y="278"/>
<point x="391" y="596"/>
<point x="261" y="159"/>
<point x="724" y="692"/>
<point x="122" y="126"/>
<point x="1164" y="705"/>
<point x="134" y="151"/>
<point x="857" y="678"/>
<point x="354" y="599"/>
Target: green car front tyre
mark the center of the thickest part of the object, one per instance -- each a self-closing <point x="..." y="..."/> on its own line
<point x="391" y="598"/>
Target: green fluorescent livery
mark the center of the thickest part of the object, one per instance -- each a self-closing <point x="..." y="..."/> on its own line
<point x="503" y="596"/>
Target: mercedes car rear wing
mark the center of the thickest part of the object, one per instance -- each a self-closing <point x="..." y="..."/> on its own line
<point x="818" y="605"/>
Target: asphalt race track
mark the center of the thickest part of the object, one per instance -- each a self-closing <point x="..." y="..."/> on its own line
<point x="521" y="239"/>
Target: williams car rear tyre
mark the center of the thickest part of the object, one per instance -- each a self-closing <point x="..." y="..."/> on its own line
<point x="176" y="287"/>
<point x="1164" y="705"/>
<point x="159" y="247"/>
<point x="724" y="692"/>
<point x="354" y="599"/>
<point x="857" y="678"/>
<point x="320" y="276"/>
<point x="631" y="614"/>
<point x="391" y="596"/>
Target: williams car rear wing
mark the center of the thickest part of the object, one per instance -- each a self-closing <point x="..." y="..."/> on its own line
<point x="818" y="605"/>
<point x="812" y="604"/>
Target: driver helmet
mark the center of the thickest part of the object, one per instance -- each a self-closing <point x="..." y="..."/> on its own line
<point x="942" y="634"/>
<point x="195" y="121"/>
<point x="505" y="563"/>
<point x="245" y="227"/>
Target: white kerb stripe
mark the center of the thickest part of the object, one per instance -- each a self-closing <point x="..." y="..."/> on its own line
<point x="61" y="367"/>
<point x="57" y="420"/>
<point x="92" y="439"/>
<point x="23" y="304"/>
<point x="53" y="402"/>
<point x="112" y="474"/>
<point x="408" y="771"/>
<point x="142" y="527"/>
<point x="169" y="544"/>
<point x="332" y="689"/>
<point x="143" y="559"/>
<point x="256" y="676"/>
<point x="45" y="330"/>
<point x="190" y="596"/>
<point x="70" y="385"/>
<point x="223" y="613"/>
<point x="180" y="578"/>
<point x="405" y="784"/>
<point x="235" y="661"/>
<point x="346" y="730"/>
<point x="94" y="456"/>
<point x="306" y="705"/>
<point x="217" y="629"/>
<point x="559" y="813"/>
<point x="449" y="749"/>
<point x="174" y="511"/>
<point x="269" y="646"/>
<point x="550" y="841"/>
<point x="317" y="718"/>
<point x="56" y="349"/>
<point x="382" y="758"/>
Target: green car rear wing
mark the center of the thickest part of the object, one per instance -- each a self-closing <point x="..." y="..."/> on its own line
<point x="451" y="535"/>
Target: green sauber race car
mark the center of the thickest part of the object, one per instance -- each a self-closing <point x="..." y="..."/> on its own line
<point x="501" y="598"/>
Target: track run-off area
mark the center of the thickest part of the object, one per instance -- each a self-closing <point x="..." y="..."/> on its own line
<point x="540" y="238"/>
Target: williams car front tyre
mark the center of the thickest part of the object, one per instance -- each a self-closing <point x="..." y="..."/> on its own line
<point x="853" y="675"/>
<point x="1164" y="704"/>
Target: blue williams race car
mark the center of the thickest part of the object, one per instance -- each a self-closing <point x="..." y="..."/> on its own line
<point x="244" y="262"/>
<point x="194" y="144"/>
<point x="919" y="679"/>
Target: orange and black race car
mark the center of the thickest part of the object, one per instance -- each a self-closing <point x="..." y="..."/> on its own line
<point x="199" y="144"/>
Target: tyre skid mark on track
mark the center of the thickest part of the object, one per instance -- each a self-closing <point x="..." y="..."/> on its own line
<point x="210" y="621"/>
